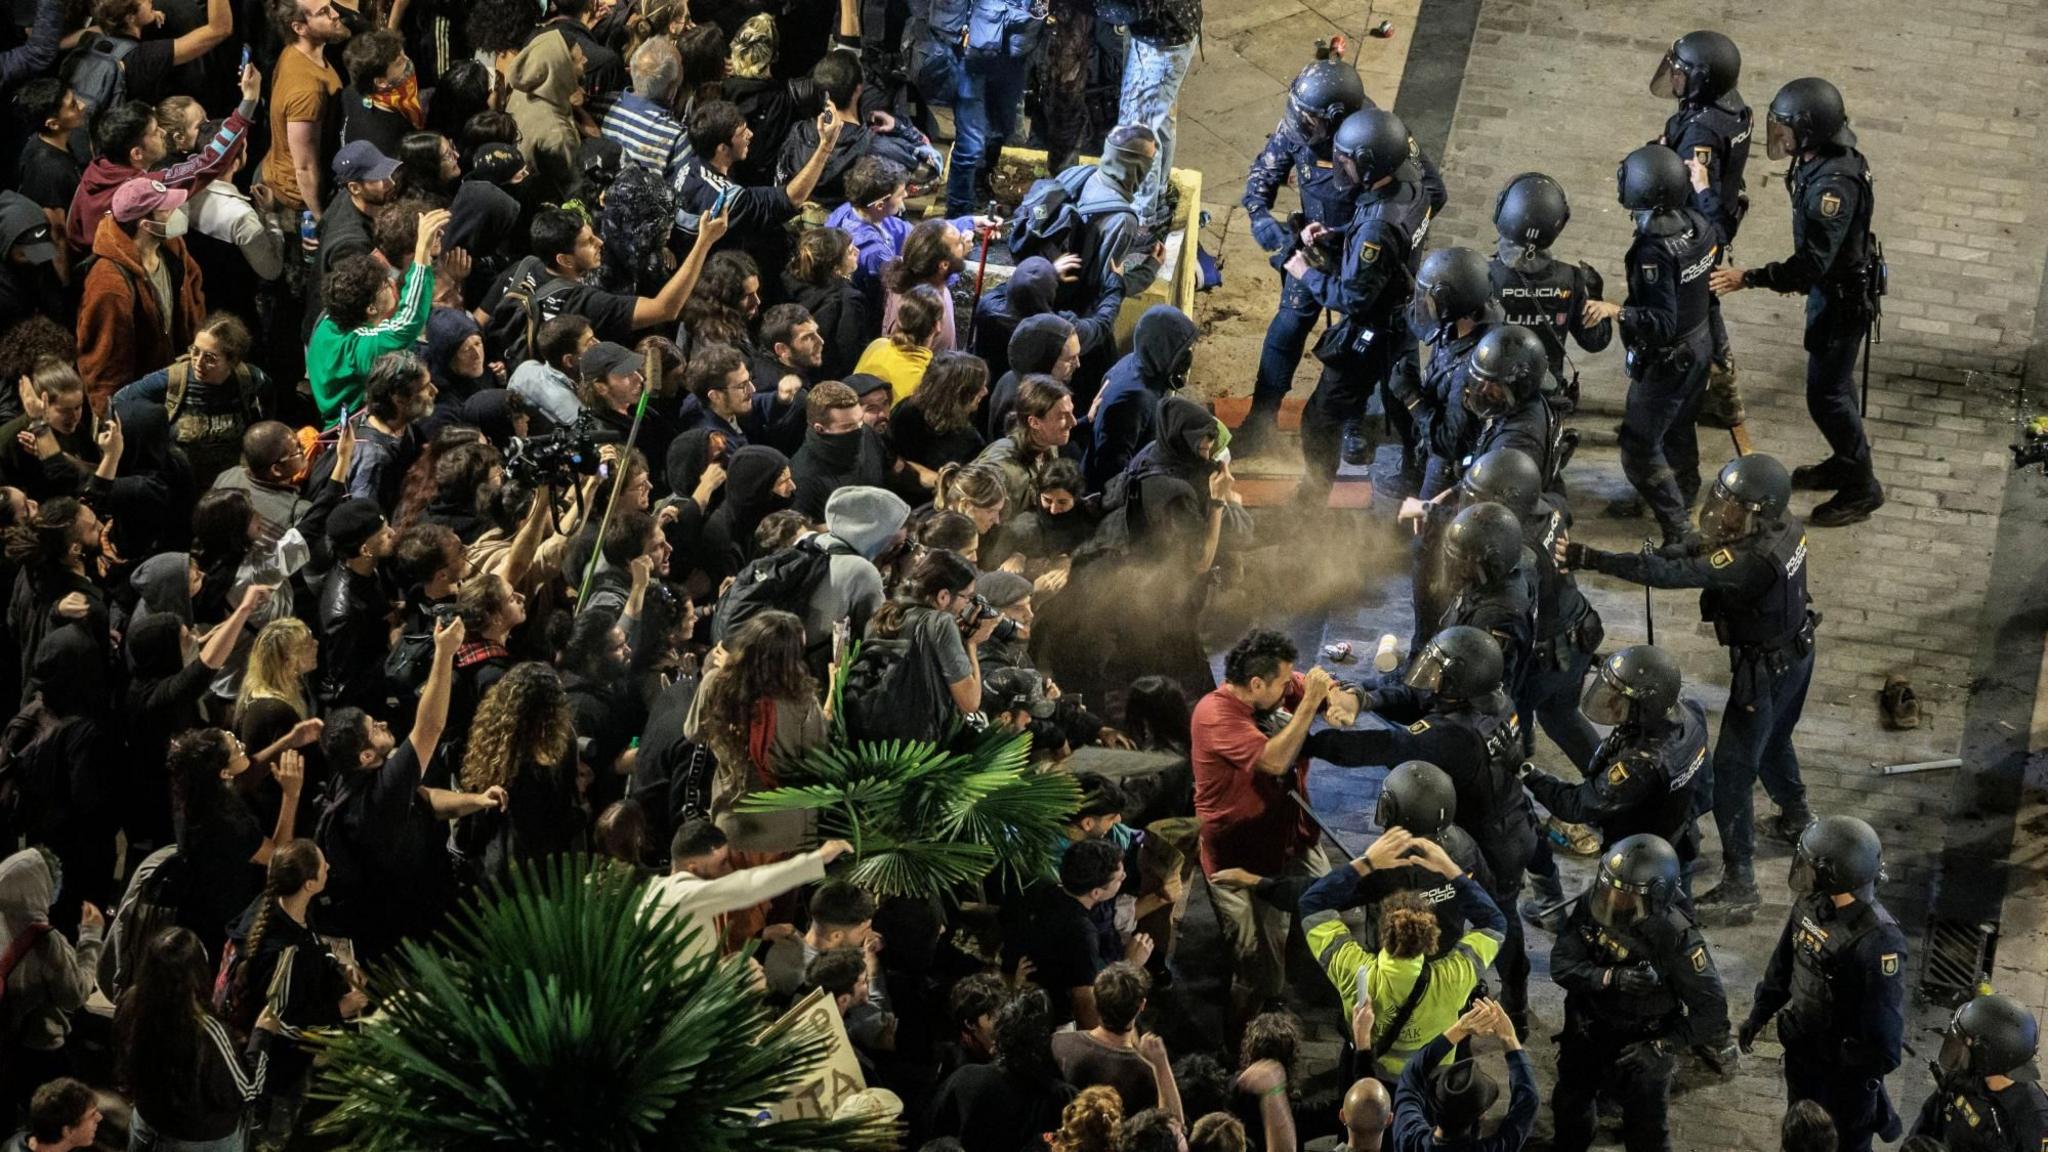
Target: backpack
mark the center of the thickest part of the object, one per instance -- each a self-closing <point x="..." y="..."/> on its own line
<point x="892" y="691"/>
<point x="515" y="322"/>
<point x="27" y="786"/>
<point x="407" y="664"/>
<point x="1049" y="222"/>
<point x="149" y="905"/>
<point x="784" y="581"/>
<point x="97" y="71"/>
<point x="1001" y="29"/>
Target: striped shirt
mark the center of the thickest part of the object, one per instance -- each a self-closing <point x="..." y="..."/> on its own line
<point x="648" y="134"/>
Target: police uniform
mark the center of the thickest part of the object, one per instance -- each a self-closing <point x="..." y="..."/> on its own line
<point x="1506" y="611"/>
<point x="2011" y="1119"/>
<point x="1568" y="633"/>
<point x="1548" y="297"/>
<point x="1530" y="428"/>
<point x="1664" y="327"/>
<point x="1381" y="249"/>
<point x="1325" y="200"/>
<point x="1637" y="781"/>
<point x="1436" y="404"/>
<point x="1754" y="593"/>
<point x="1837" y="984"/>
<point x="1430" y="887"/>
<point x="1832" y="201"/>
<point x="1715" y="134"/>
<point x="1687" y="1008"/>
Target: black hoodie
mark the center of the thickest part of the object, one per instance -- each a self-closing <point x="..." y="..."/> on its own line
<point x="728" y="541"/>
<point x="1162" y="351"/>
<point x="826" y="464"/>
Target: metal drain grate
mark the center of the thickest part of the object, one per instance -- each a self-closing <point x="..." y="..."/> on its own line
<point x="1958" y="960"/>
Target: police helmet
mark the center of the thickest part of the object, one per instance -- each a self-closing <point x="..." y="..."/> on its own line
<point x="1373" y="144"/>
<point x="1322" y="96"/>
<point x="1652" y="179"/>
<point x="1506" y="370"/>
<point x="1507" y="476"/>
<point x="1636" y="685"/>
<point x="1807" y="114"/>
<point x="1837" y="854"/>
<point x="1988" y="1036"/>
<point x="1698" y="68"/>
<point x="1531" y="210"/>
<point x="1637" y="879"/>
<point x="1482" y="545"/>
<point x="1419" y="797"/>
<point x="1749" y="492"/>
<point x="1459" y="663"/>
<point x="1453" y="284"/>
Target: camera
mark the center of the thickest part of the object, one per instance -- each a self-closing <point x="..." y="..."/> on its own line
<point x="1006" y="628"/>
<point x="556" y="459"/>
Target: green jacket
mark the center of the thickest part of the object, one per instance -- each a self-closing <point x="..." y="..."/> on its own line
<point x="338" y="363"/>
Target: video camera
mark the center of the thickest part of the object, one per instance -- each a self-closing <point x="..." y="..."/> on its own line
<point x="557" y="458"/>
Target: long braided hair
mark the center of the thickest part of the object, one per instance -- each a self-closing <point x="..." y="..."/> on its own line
<point x="292" y="867"/>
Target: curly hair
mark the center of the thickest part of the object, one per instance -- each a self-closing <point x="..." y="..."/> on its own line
<point x="952" y="387"/>
<point x="350" y="289"/>
<point x="525" y="716"/>
<point x="764" y="661"/>
<point x="926" y="259"/>
<point x="27" y="341"/>
<point x="1271" y="1036"/>
<point x="1093" y="1122"/>
<point x="499" y="25"/>
<point x="1407" y="926"/>
<point x="715" y="312"/>
<point x="272" y="673"/>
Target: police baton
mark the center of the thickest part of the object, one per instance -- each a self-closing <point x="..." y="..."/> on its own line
<point x="1649" y="604"/>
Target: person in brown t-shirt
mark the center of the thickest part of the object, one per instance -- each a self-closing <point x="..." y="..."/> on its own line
<point x="301" y="102"/>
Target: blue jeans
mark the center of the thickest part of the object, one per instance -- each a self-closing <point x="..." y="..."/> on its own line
<point x="1756" y="742"/>
<point x="987" y="94"/>
<point x="1152" y="77"/>
<point x="1286" y="339"/>
<point x="1551" y="695"/>
<point x="143" y="1138"/>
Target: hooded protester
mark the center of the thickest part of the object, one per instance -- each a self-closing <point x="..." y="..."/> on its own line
<point x="544" y="78"/>
<point x="1028" y="292"/>
<point x="1039" y="345"/>
<point x="52" y="978"/>
<point x="758" y="483"/>
<point x="83" y="764"/>
<point x="163" y="585"/>
<point x="839" y="450"/>
<point x="1127" y="412"/>
<point x="863" y="525"/>
<point x="639" y="213"/>
<point x="489" y="223"/>
<point x="499" y="413"/>
<point x="455" y="361"/>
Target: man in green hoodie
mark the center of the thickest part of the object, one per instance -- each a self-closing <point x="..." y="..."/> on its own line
<point x="367" y="316"/>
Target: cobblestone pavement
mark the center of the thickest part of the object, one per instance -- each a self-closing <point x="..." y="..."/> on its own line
<point x="1947" y="102"/>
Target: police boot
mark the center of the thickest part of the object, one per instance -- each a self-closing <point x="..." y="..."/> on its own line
<point x="1830" y="475"/>
<point x="1255" y="435"/>
<point x="1629" y="507"/>
<point x="1357" y="445"/>
<point x="1849" y="506"/>
<point x="1734" y="900"/>
<point x="1786" y="826"/>
<point x="1721" y="403"/>
<point x="1546" y="909"/>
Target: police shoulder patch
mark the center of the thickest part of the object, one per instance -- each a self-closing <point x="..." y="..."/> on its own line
<point x="1617" y="774"/>
<point x="1368" y="252"/>
<point x="1889" y="963"/>
<point x="1702" y="155"/>
<point x="1649" y="272"/>
<point x="1721" y="558"/>
<point x="1699" y="958"/>
<point x="1830" y="205"/>
<point x="1418" y="728"/>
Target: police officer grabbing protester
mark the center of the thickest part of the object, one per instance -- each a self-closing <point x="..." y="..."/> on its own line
<point x="1539" y="291"/>
<point x="1640" y="987"/>
<point x="1839" y="265"/>
<point x="1751" y="572"/>
<point x="1977" y="1104"/>
<point x="1836" y="983"/>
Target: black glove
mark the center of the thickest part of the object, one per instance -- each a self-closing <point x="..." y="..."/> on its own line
<point x="1574" y="556"/>
<point x="1643" y="1056"/>
<point x="1636" y="980"/>
<point x="1745" y="1037"/>
<point x="1723" y="1058"/>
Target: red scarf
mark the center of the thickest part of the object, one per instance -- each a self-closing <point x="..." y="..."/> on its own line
<point x="404" y="100"/>
<point x="761" y="739"/>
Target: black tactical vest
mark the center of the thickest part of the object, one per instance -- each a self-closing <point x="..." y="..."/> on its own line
<point x="1642" y="1014"/>
<point x="1728" y="121"/>
<point x="1690" y="243"/>
<point x="1844" y="278"/>
<point x="1674" y="757"/>
<point x="1559" y="603"/>
<point x="1770" y="618"/>
<point x="1823" y="947"/>
<point x="1543" y="298"/>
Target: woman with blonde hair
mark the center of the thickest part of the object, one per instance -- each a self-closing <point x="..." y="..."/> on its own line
<point x="275" y="710"/>
<point x="1092" y="1122"/>
<point x="523" y="740"/>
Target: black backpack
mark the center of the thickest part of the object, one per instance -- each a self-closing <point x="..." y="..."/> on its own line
<point x="784" y="581"/>
<point x="892" y="692"/>
<point x="98" y="70"/>
<point x="33" y="792"/>
<point x="516" y="320"/>
<point x="1048" y="222"/>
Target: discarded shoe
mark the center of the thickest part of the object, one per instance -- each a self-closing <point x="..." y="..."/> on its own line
<point x="1900" y="706"/>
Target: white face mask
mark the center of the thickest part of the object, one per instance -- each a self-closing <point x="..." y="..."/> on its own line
<point x="174" y="227"/>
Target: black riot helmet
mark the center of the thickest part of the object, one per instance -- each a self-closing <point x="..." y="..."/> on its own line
<point x="1806" y="115"/>
<point x="1507" y="368"/>
<point x="1482" y="545"/>
<point x="1988" y="1036"/>
<point x="1836" y="855"/>
<point x="1321" y="97"/>
<point x="1652" y="179"/>
<point x="1637" y="685"/>
<point x="1459" y="663"/>
<point x="1698" y="68"/>
<point x="1638" y="876"/>
<point x="1750" y="492"/>
<point x="1531" y="210"/>
<point x="1506" y="476"/>
<point x="1453" y="284"/>
<point x="1371" y="145"/>
<point x="1419" y="797"/>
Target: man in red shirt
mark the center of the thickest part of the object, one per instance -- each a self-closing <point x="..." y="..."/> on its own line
<point x="1247" y="758"/>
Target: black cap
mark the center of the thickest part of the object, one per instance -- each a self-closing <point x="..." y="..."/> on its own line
<point x="1015" y="690"/>
<point x="23" y="226"/>
<point x="351" y="525"/>
<point x="604" y="358"/>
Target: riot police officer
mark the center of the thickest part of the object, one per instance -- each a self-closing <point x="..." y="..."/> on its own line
<point x="1493" y="584"/>
<point x="1712" y="130"/>
<point x="1453" y="306"/>
<point x="1503" y="397"/>
<point x="1641" y="777"/>
<point x="1375" y="255"/>
<point x="1568" y="630"/>
<point x="1419" y="797"/>
<point x="1539" y="291"/>
<point x="1298" y="151"/>
<point x="1458" y="717"/>
<point x="1840" y="267"/>
<point x="1664" y="327"/>
<point x="1836" y="983"/>
<point x="1640" y="987"/>
<point x="1976" y="1105"/>
<point x="1752" y="574"/>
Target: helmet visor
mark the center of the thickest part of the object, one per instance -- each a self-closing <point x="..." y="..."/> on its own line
<point x="1723" y="519"/>
<point x="1603" y="702"/>
<point x="1422" y="319"/>
<point x="1347" y="171"/>
<point x="1953" y="1062"/>
<point x="1427" y="672"/>
<point x="1312" y="126"/>
<point x="1779" y="141"/>
<point x="1668" y="80"/>
<point x="1616" y="907"/>
<point x="1803" y="878"/>
<point x="1486" y="397"/>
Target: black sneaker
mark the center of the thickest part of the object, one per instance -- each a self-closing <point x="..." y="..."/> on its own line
<point x="1357" y="445"/>
<point x="1830" y="475"/>
<point x="1626" y="508"/>
<point x="1848" y="507"/>
<point x="1734" y="900"/>
<point x="1255" y="435"/>
<point x="1786" y="827"/>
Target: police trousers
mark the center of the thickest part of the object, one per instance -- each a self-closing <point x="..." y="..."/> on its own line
<point x="1286" y="338"/>
<point x="1660" y="450"/>
<point x="1765" y="697"/>
<point x="1342" y="393"/>
<point x="1832" y="342"/>
<point x="1585" y="1068"/>
<point x="1550" y="694"/>
<point x="1859" y="1104"/>
<point x="1507" y="850"/>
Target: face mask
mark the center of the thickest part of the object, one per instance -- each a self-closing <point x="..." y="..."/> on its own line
<point x="174" y="227"/>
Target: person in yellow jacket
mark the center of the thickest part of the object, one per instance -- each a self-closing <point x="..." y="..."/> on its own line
<point x="1408" y="955"/>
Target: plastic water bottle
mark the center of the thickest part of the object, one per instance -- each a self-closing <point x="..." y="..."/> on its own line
<point x="309" y="230"/>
